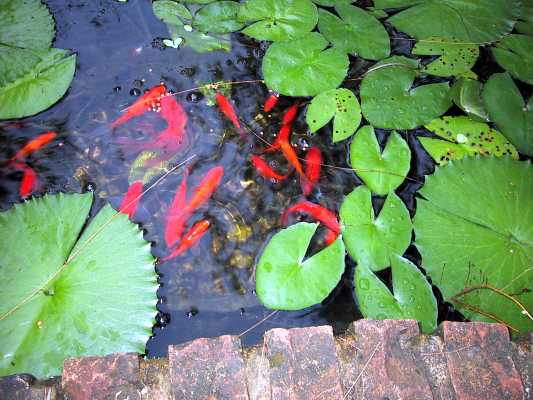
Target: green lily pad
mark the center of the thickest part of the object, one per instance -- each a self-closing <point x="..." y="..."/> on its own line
<point x="199" y="41"/>
<point x="340" y="104"/>
<point x="455" y="58"/>
<point x="465" y="137"/>
<point x="381" y="172"/>
<point x="285" y="281"/>
<point x="473" y="227"/>
<point x="33" y="80"/>
<point x="63" y="295"/>
<point x="219" y="17"/>
<point x="466" y="94"/>
<point x="388" y="100"/>
<point x="358" y="32"/>
<point x="278" y="20"/>
<point x="525" y="24"/>
<point x="383" y="4"/>
<point x="171" y="12"/>
<point x="472" y="21"/>
<point x="331" y="3"/>
<point x="369" y="240"/>
<point x="413" y="297"/>
<point x="508" y="110"/>
<point x="26" y="24"/>
<point x="515" y="54"/>
<point x="304" y="67"/>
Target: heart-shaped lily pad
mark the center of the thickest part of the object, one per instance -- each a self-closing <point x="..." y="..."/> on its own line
<point x="340" y="104"/>
<point x="466" y="94"/>
<point x="389" y="101"/>
<point x="219" y="17"/>
<point x="412" y="299"/>
<point x="285" y="281"/>
<point x="369" y="240"/>
<point x="507" y="109"/>
<point x="515" y="54"/>
<point x="304" y="67"/>
<point x="381" y="172"/>
<point x="357" y="32"/>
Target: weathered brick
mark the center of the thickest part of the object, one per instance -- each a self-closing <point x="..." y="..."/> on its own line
<point x="257" y="373"/>
<point x="303" y="364"/>
<point x="155" y="379"/>
<point x="115" y="376"/>
<point x="208" y="369"/>
<point x="376" y="362"/>
<point x="522" y="353"/>
<point x="479" y="361"/>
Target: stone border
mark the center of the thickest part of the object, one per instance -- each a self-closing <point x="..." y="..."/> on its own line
<point x="373" y="360"/>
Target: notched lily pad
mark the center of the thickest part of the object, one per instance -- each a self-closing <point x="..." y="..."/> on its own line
<point x="515" y="54"/>
<point x="466" y="94"/>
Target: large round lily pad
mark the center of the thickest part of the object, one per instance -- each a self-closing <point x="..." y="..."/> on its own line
<point x="63" y="295"/>
<point x="474" y="227"/>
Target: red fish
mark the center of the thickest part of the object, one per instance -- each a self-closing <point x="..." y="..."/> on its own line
<point x="315" y="211"/>
<point x="176" y="218"/>
<point x="313" y="161"/>
<point x="131" y="199"/>
<point x="228" y="110"/>
<point x="29" y="179"/>
<point x="292" y="158"/>
<point x="330" y="237"/>
<point x="34" y="145"/>
<point x="205" y="189"/>
<point x="271" y="102"/>
<point x="265" y="170"/>
<point x="290" y="114"/>
<point x="195" y="233"/>
<point x="283" y="134"/>
<point x="147" y="101"/>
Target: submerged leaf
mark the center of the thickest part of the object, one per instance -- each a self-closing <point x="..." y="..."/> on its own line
<point x="474" y="226"/>
<point x="515" y="54"/>
<point x="68" y="296"/>
<point x="219" y="17"/>
<point x="199" y="41"/>
<point x="466" y="94"/>
<point x="369" y="240"/>
<point x="381" y="172"/>
<point x="285" y="281"/>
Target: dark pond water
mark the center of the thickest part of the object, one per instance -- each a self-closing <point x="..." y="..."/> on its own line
<point x="208" y="291"/>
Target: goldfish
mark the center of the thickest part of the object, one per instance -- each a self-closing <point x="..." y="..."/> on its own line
<point x="176" y="219"/>
<point x="29" y="180"/>
<point x="292" y="158"/>
<point x="228" y="110"/>
<point x="205" y="189"/>
<point x="195" y="233"/>
<point x="147" y="101"/>
<point x="290" y="114"/>
<point x="313" y="161"/>
<point x="315" y="211"/>
<point x="330" y="237"/>
<point x="34" y="145"/>
<point x="265" y="170"/>
<point x="271" y="102"/>
<point x="283" y="134"/>
<point x="131" y="199"/>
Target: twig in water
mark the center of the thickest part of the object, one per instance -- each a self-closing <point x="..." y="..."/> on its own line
<point x="258" y="323"/>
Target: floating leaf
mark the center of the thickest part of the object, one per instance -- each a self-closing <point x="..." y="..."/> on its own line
<point x="303" y="67"/>
<point x="340" y="104"/>
<point x="381" y="172"/>
<point x="171" y="12"/>
<point x="285" y="281"/>
<point x="455" y="58"/>
<point x="199" y="41"/>
<point x="278" y="20"/>
<point x="64" y="295"/>
<point x="474" y="226"/>
<point x="358" y="32"/>
<point x="32" y="80"/>
<point x="219" y="17"/>
<point x="413" y="297"/>
<point x="388" y="100"/>
<point x="508" y="110"/>
<point x="515" y="54"/>
<point x="26" y="24"/>
<point x="464" y="137"/>
<point x="525" y="24"/>
<point x="472" y="21"/>
<point x="372" y="241"/>
<point x="331" y="3"/>
<point x="466" y="94"/>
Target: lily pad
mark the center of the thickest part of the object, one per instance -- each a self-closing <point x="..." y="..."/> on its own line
<point x="474" y="226"/>
<point x="525" y="24"/>
<point x="515" y="54"/>
<point x="26" y="24"/>
<point x="508" y="110"/>
<point x="472" y="21"/>
<point x="278" y="20"/>
<point x="199" y="41"/>
<point x="304" y="67"/>
<point x="357" y="32"/>
<point x="171" y="12"/>
<point x="455" y="58"/>
<point x="33" y="80"/>
<point x="412" y="299"/>
<point x="219" y="17"/>
<point x="331" y="3"/>
<point x="466" y="94"/>
<point x="340" y="104"/>
<point x="369" y="240"/>
<point x="465" y="137"/>
<point x="389" y="101"/>
<point x="285" y="281"/>
<point x="63" y="295"/>
<point x="381" y="172"/>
